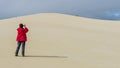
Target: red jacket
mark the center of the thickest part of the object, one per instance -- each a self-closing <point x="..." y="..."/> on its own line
<point x="21" y="36"/>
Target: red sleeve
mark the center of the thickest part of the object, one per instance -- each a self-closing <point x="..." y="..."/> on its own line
<point x="26" y="30"/>
<point x="19" y="31"/>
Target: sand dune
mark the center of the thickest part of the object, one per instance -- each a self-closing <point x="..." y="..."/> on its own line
<point x="61" y="41"/>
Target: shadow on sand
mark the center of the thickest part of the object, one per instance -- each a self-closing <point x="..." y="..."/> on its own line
<point x="45" y="56"/>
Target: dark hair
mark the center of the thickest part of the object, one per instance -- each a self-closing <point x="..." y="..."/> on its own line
<point x="21" y="25"/>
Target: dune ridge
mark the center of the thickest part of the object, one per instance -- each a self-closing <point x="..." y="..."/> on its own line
<point x="61" y="41"/>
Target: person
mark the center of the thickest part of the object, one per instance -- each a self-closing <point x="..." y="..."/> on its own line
<point x="21" y="38"/>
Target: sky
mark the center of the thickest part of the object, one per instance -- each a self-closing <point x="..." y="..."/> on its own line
<point x="100" y="9"/>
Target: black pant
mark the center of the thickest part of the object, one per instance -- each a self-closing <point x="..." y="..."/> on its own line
<point x="18" y="47"/>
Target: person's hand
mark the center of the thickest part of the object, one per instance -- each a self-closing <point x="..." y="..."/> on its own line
<point x="24" y="25"/>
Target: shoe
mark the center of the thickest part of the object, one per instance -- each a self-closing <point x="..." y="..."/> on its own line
<point x="16" y="55"/>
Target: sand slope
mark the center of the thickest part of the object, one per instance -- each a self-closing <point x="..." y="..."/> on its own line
<point x="61" y="41"/>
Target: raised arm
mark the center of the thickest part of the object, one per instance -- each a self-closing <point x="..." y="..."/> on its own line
<point x="26" y="29"/>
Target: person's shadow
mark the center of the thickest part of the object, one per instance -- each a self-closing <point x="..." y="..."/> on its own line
<point x="45" y="56"/>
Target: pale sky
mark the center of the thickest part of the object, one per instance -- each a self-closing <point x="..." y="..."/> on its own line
<point x="106" y="9"/>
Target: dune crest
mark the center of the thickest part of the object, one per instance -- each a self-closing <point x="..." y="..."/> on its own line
<point x="61" y="41"/>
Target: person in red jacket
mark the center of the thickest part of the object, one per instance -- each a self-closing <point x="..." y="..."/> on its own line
<point x="21" y="38"/>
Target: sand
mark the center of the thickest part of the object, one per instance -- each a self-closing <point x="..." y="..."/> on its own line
<point x="61" y="41"/>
